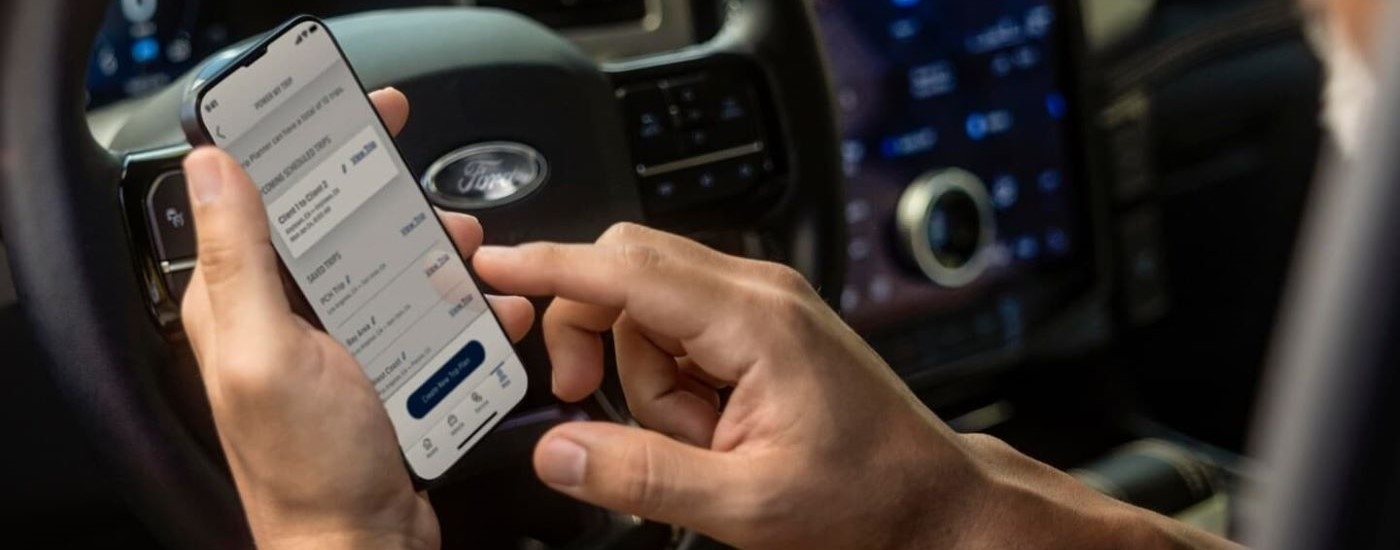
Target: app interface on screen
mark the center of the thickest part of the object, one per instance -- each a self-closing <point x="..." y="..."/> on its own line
<point x="364" y="247"/>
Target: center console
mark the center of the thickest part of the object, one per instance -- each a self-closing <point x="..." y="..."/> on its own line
<point x="970" y="208"/>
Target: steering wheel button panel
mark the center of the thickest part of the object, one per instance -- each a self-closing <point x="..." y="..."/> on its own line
<point x="709" y="150"/>
<point x="169" y="217"/>
<point x="715" y="110"/>
<point x="679" y="119"/>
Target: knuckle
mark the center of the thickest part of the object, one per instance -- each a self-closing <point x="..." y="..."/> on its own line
<point x="260" y="372"/>
<point x="785" y="307"/>
<point x="782" y="318"/>
<point x="986" y="443"/>
<point x="780" y="276"/>
<point x="623" y="231"/>
<point x="645" y="489"/>
<point x="246" y="377"/>
<point x="221" y="261"/>
<point x="787" y="278"/>
<point x="636" y="257"/>
<point x="549" y="252"/>
<point x="557" y="312"/>
<point x="217" y="259"/>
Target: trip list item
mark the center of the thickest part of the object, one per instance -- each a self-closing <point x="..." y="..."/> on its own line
<point x="330" y="193"/>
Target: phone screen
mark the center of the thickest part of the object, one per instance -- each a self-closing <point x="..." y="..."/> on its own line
<point x="363" y="243"/>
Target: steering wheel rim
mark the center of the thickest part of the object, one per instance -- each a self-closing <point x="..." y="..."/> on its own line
<point x="72" y="258"/>
<point x="104" y="369"/>
<point x="1327" y="433"/>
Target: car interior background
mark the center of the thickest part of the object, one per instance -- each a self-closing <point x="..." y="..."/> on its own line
<point x="1067" y="223"/>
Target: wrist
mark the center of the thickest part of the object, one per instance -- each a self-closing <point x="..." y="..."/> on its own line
<point x="944" y="498"/>
<point x="412" y="527"/>
<point x="346" y="541"/>
<point x="1012" y="501"/>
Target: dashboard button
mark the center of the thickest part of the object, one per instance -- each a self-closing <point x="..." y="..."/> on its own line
<point x="739" y="175"/>
<point x="665" y="189"/>
<point x="692" y="117"/>
<point x="746" y="170"/>
<point x="707" y="180"/>
<point x="691" y="92"/>
<point x="169" y="217"/>
<point x="716" y="111"/>
<point x="736" y="124"/>
<point x="697" y="142"/>
<point x="650" y="126"/>
<point x="671" y="192"/>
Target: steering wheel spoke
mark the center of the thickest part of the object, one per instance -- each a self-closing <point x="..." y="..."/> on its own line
<point x="736" y="143"/>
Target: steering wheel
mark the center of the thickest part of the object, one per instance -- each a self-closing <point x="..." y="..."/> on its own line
<point x="100" y="284"/>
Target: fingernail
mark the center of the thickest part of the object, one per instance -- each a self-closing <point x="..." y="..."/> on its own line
<point x="206" y="178"/>
<point x="562" y="462"/>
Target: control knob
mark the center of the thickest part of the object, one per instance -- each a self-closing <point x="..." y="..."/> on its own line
<point x="946" y="225"/>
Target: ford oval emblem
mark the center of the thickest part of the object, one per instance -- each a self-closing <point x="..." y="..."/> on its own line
<point x="486" y="175"/>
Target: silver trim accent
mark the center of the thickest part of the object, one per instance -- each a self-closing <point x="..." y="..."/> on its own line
<point x="912" y="218"/>
<point x="168" y="267"/>
<point x="667" y="26"/>
<point x="159" y="153"/>
<point x="717" y="156"/>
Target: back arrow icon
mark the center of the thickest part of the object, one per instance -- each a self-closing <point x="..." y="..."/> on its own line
<point x="219" y="131"/>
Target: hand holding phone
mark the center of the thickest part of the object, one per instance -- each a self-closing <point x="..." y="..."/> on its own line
<point x="307" y="441"/>
<point x="361" y="241"/>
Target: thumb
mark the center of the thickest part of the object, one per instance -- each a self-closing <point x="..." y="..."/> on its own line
<point x="236" y="259"/>
<point x="642" y="473"/>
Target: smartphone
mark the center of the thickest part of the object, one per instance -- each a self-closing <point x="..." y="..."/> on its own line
<point x="362" y="242"/>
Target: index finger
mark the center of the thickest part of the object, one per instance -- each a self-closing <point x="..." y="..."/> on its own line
<point x="650" y="285"/>
<point x="672" y="297"/>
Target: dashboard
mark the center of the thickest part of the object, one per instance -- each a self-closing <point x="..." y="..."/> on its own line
<point x="145" y="44"/>
<point x="968" y="211"/>
<point x="965" y="194"/>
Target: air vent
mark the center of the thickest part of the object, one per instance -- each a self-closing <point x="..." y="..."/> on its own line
<point x="574" y="13"/>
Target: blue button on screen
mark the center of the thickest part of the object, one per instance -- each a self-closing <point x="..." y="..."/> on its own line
<point x="446" y="379"/>
<point x="145" y="50"/>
